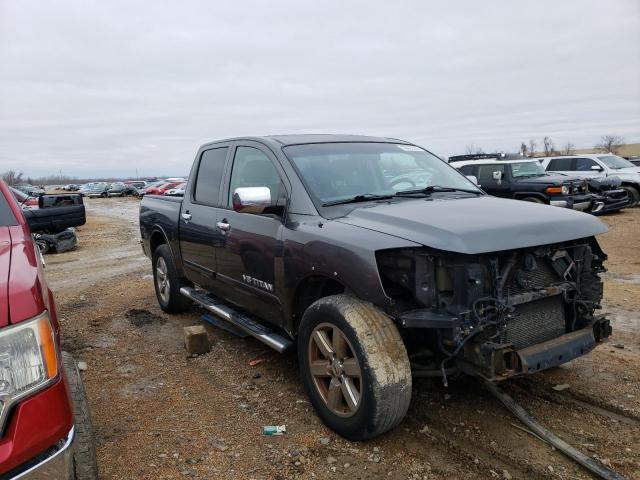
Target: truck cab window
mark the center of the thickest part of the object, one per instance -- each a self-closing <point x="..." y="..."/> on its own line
<point x="485" y="173"/>
<point x="252" y="168"/>
<point x="209" y="177"/>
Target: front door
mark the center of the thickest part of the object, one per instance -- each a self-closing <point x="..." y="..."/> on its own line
<point x="250" y="250"/>
<point x="198" y="232"/>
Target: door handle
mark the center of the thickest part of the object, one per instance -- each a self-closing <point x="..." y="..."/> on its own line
<point x="223" y="225"/>
<point x="186" y="216"/>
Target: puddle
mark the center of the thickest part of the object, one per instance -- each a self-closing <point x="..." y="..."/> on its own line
<point x="139" y="317"/>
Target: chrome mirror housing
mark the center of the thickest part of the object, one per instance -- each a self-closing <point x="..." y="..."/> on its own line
<point x="251" y="199"/>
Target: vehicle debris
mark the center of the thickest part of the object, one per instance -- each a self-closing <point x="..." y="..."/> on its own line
<point x="256" y="361"/>
<point x="591" y="464"/>
<point x="274" y="430"/>
<point x="560" y="387"/>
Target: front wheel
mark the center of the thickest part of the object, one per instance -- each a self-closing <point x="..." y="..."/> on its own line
<point x="167" y="282"/>
<point x="354" y="367"/>
<point x="85" y="466"/>
<point x="532" y="199"/>
<point x="634" y="195"/>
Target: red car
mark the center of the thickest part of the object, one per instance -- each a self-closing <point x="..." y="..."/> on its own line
<point x="44" y="419"/>
<point x="24" y="199"/>
<point x="161" y="189"/>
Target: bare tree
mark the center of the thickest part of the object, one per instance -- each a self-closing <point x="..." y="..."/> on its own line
<point x="532" y="148"/>
<point x="548" y="146"/>
<point x="610" y="143"/>
<point x="12" y="177"/>
<point x="472" y="149"/>
<point x="569" y="149"/>
<point x="523" y="149"/>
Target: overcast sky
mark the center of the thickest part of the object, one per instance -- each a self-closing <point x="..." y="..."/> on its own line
<point x="94" y="88"/>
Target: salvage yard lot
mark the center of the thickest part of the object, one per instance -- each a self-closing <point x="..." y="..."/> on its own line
<point x="158" y="414"/>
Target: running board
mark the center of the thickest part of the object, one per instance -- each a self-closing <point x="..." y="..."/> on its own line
<point x="243" y="322"/>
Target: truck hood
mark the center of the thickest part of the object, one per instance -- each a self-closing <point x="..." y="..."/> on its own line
<point x="5" y="262"/>
<point x="552" y="179"/>
<point x="474" y="225"/>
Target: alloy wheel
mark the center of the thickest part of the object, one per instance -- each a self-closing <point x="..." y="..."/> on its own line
<point x="335" y="370"/>
<point x="162" y="279"/>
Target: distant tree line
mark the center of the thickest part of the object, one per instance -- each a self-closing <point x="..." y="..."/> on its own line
<point x="607" y="144"/>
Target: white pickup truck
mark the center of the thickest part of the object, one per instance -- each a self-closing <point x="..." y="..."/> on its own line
<point x="598" y="165"/>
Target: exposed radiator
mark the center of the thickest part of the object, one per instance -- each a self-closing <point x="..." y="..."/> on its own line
<point x="535" y="322"/>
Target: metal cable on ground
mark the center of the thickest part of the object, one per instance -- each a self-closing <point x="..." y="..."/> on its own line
<point x="589" y="463"/>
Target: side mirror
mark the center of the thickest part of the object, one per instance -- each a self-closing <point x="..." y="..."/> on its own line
<point x="597" y="168"/>
<point x="251" y="199"/>
<point x="473" y="179"/>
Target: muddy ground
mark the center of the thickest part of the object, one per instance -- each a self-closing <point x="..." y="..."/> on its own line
<point x="158" y="414"/>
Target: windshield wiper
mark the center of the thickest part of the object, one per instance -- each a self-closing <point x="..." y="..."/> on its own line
<point x="364" y="197"/>
<point x="435" y="188"/>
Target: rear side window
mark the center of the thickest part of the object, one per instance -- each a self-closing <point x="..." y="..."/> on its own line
<point x="585" y="164"/>
<point x="467" y="169"/>
<point x="209" y="177"/>
<point x="7" y="217"/>
<point x="559" y="164"/>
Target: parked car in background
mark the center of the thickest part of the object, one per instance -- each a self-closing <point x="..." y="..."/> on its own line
<point x="527" y="180"/>
<point x="635" y="161"/>
<point x="99" y="190"/>
<point x="120" y="189"/>
<point x="598" y="165"/>
<point x="24" y="199"/>
<point x="178" y="191"/>
<point x="608" y="195"/>
<point x="30" y="190"/>
<point x="45" y="424"/>
<point x="84" y="189"/>
<point x="143" y="190"/>
<point x="136" y="184"/>
<point x="161" y="189"/>
<point x="309" y="239"/>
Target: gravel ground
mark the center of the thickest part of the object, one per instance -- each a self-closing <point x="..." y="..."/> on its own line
<point x="161" y="415"/>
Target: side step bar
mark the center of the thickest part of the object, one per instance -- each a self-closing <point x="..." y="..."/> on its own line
<point x="243" y="322"/>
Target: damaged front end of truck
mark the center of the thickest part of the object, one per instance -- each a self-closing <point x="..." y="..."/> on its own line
<point x="496" y="315"/>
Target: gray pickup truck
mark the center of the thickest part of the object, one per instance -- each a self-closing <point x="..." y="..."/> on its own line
<point x="379" y="262"/>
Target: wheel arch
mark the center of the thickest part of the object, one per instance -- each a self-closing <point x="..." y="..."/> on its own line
<point x="521" y="195"/>
<point x="309" y="289"/>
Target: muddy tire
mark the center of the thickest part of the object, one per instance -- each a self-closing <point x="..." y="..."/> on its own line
<point x="167" y="282"/>
<point x="634" y="195"/>
<point x="354" y="367"/>
<point x="85" y="466"/>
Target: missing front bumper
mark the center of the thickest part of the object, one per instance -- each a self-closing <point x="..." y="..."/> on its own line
<point x="496" y="362"/>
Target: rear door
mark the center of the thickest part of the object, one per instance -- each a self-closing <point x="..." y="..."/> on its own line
<point x="251" y="249"/>
<point x="197" y="223"/>
<point x="564" y="165"/>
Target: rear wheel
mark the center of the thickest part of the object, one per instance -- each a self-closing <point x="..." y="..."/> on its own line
<point x="634" y="195"/>
<point x="167" y="282"/>
<point x="354" y="367"/>
<point x="85" y="466"/>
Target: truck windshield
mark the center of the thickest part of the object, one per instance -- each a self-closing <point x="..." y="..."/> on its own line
<point x="527" y="169"/>
<point x="337" y="171"/>
<point x="615" y="162"/>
